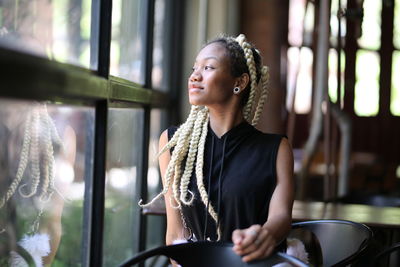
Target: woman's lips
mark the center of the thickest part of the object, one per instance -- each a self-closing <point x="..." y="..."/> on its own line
<point x="195" y="88"/>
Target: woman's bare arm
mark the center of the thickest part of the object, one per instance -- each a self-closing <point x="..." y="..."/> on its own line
<point x="174" y="222"/>
<point x="259" y="241"/>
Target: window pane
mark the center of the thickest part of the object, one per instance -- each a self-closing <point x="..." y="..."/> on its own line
<point x="45" y="159"/>
<point x="309" y="24"/>
<point x="366" y="95"/>
<point x="395" y="94"/>
<point x="155" y="224"/>
<point x="371" y="25"/>
<point x="127" y="40"/>
<point x="55" y="29"/>
<point x="124" y="150"/>
<point x="396" y="34"/>
<point x="159" y="72"/>
<point x="300" y="79"/>
<point x="332" y="79"/>
<point x="301" y="22"/>
<point x="334" y="23"/>
<point x="296" y="21"/>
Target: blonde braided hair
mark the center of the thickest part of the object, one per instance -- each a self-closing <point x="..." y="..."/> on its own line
<point x="190" y="138"/>
<point x="241" y="39"/>
<point x="38" y="121"/>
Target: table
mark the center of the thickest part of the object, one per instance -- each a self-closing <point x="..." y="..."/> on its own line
<point x="380" y="217"/>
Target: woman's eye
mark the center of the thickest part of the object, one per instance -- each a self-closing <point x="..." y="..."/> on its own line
<point x="208" y="67"/>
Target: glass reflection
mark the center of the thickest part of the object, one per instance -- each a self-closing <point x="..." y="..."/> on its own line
<point x="159" y="71"/>
<point x="155" y="224"/>
<point x="127" y="40"/>
<point x="55" y="29"/>
<point x="153" y="176"/>
<point x="42" y="181"/>
<point x="124" y="150"/>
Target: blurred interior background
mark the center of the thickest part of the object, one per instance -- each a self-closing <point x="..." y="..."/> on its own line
<point x="87" y="86"/>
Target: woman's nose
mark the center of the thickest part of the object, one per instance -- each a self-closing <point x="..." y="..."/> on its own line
<point x="195" y="76"/>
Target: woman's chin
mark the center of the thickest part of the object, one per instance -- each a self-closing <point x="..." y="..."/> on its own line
<point x="196" y="102"/>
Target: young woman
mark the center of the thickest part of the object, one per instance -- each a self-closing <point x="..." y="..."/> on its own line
<point x="223" y="179"/>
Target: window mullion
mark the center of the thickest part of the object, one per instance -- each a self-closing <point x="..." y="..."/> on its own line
<point x="142" y="182"/>
<point x="97" y="184"/>
<point x="101" y="24"/>
<point x="105" y="38"/>
<point x="148" y="29"/>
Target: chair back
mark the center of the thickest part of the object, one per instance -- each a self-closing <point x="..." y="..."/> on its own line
<point x="210" y="254"/>
<point x="341" y="242"/>
<point x="383" y="257"/>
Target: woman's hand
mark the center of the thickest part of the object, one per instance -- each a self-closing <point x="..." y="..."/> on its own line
<point x="255" y="242"/>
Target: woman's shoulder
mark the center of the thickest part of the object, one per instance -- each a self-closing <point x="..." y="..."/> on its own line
<point x="267" y="136"/>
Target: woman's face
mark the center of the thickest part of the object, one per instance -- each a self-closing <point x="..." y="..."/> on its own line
<point x="211" y="82"/>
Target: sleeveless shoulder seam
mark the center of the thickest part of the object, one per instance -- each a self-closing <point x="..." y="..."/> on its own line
<point x="171" y="131"/>
<point x="277" y="143"/>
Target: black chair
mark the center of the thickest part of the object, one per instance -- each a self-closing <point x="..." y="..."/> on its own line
<point x="383" y="257"/>
<point x="341" y="242"/>
<point x="209" y="254"/>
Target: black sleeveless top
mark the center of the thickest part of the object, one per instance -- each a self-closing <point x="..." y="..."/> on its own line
<point x="240" y="168"/>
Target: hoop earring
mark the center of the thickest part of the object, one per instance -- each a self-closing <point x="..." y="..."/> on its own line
<point x="236" y="90"/>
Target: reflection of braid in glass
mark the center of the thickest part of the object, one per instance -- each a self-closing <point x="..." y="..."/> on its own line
<point x="190" y="137"/>
<point x="38" y="121"/>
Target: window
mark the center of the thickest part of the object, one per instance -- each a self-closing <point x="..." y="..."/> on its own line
<point x="127" y="40"/>
<point x="91" y="126"/>
<point x="334" y="22"/>
<point x="56" y="29"/>
<point x="124" y="146"/>
<point x="332" y="76"/>
<point x="396" y="32"/>
<point x="156" y="224"/>
<point x="300" y="56"/>
<point x="296" y="22"/>
<point x="366" y="91"/>
<point x="395" y="92"/>
<point x="371" y="25"/>
<point x="366" y="95"/>
<point x="159" y="72"/>
<point x="300" y="62"/>
<point x="46" y="159"/>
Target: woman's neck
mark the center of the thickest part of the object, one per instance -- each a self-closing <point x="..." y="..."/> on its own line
<point x="221" y="121"/>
